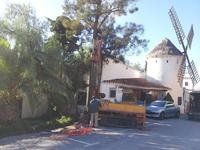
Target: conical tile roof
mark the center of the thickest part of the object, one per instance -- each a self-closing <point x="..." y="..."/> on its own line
<point x="165" y="48"/>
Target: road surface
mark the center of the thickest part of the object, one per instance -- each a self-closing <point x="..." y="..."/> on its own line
<point x="169" y="134"/>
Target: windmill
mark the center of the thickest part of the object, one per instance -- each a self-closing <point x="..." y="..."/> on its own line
<point x="181" y="36"/>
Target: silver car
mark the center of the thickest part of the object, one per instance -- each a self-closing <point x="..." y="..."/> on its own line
<point x="162" y="109"/>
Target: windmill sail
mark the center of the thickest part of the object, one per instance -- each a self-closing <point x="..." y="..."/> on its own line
<point x="177" y="25"/>
<point x="180" y="35"/>
<point x="193" y="73"/>
<point x="190" y="36"/>
<point x="181" y="71"/>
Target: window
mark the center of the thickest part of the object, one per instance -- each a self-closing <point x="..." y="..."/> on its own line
<point x="186" y="83"/>
<point x="167" y="61"/>
<point x="179" y="100"/>
<point x="169" y="105"/>
<point x="127" y="97"/>
<point x="158" y="103"/>
<point x="112" y="93"/>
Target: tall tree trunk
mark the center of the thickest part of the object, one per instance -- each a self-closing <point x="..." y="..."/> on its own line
<point x="96" y="62"/>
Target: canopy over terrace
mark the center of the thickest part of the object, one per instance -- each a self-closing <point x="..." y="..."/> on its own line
<point x="137" y="83"/>
<point x="134" y="89"/>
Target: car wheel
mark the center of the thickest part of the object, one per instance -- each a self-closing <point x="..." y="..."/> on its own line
<point x="162" y="116"/>
<point x="177" y="114"/>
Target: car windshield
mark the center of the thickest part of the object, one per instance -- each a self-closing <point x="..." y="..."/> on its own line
<point x="158" y="103"/>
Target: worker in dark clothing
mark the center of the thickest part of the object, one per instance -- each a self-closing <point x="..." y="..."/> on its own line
<point x="94" y="109"/>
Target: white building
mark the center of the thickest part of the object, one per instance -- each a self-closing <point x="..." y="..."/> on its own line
<point x="163" y="64"/>
<point x="121" y="82"/>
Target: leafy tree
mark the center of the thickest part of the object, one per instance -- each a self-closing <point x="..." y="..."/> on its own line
<point x="99" y="16"/>
<point x="109" y="39"/>
<point x="5" y="66"/>
<point x="26" y="33"/>
<point x="66" y="88"/>
<point x="74" y="59"/>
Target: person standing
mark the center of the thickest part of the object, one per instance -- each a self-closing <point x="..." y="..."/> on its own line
<point x="94" y="109"/>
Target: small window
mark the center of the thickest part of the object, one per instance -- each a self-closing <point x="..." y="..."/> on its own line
<point x="167" y="61"/>
<point x="179" y="100"/>
<point x="112" y="93"/>
<point x="156" y="61"/>
<point x="186" y="83"/>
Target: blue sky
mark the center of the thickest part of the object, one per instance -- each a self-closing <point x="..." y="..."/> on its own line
<point x="152" y="14"/>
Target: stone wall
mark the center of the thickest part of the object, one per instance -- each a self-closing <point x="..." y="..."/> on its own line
<point x="10" y="110"/>
<point x="33" y="109"/>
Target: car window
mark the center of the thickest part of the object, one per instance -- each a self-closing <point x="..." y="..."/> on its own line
<point x="169" y="105"/>
<point x="158" y="103"/>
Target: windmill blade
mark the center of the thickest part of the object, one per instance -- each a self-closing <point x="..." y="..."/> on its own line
<point x="177" y="25"/>
<point x="193" y="73"/>
<point x="181" y="71"/>
<point x="190" y="36"/>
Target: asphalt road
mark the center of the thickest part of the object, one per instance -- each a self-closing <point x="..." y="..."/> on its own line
<point x="169" y="134"/>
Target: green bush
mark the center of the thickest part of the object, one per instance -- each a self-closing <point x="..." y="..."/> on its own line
<point x="63" y="120"/>
<point x="32" y="125"/>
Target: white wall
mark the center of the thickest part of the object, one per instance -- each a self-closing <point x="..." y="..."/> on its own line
<point x="188" y="80"/>
<point x="105" y="88"/>
<point x="197" y="87"/>
<point x="165" y="70"/>
<point x="113" y="70"/>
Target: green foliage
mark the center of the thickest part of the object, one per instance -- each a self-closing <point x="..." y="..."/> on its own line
<point x="4" y="43"/>
<point x="58" y="73"/>
<point x="99" y="17"/>
<point x="3" y="66"/>
<point x="9" y="96"/>
<point x="19" y="64"/>
<point x="66" y="32"/>
<point x="63" y="120"/>
<point x="82" y="22"/>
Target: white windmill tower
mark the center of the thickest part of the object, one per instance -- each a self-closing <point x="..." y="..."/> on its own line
<point x="163" y="64"/>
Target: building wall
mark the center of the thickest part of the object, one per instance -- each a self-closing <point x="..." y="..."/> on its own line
<point x="197" y="87"/>
<point x="165" y="70"/>
<point x="113" y="70"/>
<point x="187" y="82"/>
<point x="105" y="88"/>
